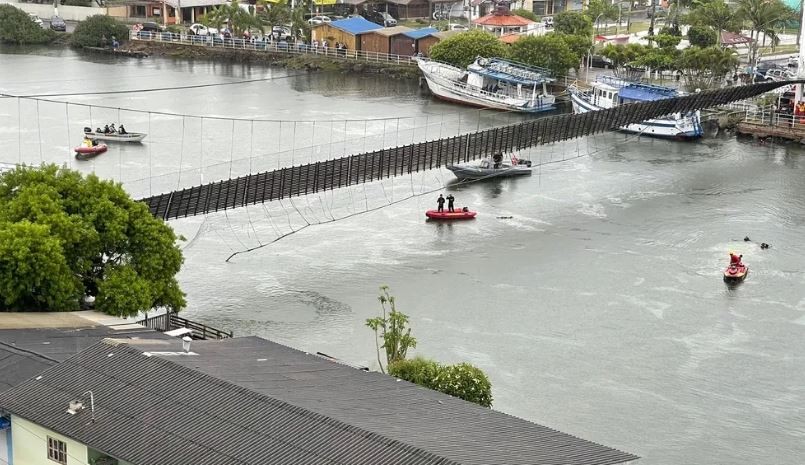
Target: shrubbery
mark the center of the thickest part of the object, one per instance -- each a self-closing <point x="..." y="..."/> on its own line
<point x="462" y="49"/>
<point x="90" y="32"/>
<point x="16" y="27"/>
<point x="462" y="380"/>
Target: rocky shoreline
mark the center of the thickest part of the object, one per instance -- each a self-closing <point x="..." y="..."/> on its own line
<point x="304" y="61"/>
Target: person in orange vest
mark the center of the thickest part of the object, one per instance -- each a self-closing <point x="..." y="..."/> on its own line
<point x="801" y="112"/>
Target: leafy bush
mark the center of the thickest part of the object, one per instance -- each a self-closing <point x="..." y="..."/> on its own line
<point x="573" y="23"/>
<point x="64" y="236"/>
<point x="16" y="27"/>
<point x="701" y="36"/>
<point x="462" y="380"/>
<point x="462" y="49"/>
<point x="549" y="51"/>
<point x="91" y="31"/>
<point x="526" y="14"/>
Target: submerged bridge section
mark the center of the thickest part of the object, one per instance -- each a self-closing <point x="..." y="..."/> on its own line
<point x="367" y="167"/>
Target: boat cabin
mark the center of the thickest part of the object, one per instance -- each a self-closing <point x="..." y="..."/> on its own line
<point x="609" y="91"/>
<point x="504" y="78"/>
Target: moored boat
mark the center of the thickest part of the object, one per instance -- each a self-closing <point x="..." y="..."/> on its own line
<point x="115" y="136"/>
<point x="83" y="152"/>
<point x="490" y="83"/>
<point x="454" y="215"/>
<point x="608" y="92"/>
<point x="736" y="273"/>
<point x="487" y="169"/>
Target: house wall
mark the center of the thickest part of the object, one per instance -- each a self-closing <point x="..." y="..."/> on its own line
<point x="5" y="446"/>
<point x="30" y="445"/>
<point x="333" y="35"/>
<point x="402" y="45"/>
<point x="374" y="42"/>
<point x="424" y="44"/>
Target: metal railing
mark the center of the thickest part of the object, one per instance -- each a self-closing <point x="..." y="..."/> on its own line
<point x="170" y="321"/>
<point x="267" y="46"/>
<point x="769" y="116"/>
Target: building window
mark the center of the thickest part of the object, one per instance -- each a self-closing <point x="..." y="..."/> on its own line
<point x="538" y="8"/>
<point x="57" y="450"/>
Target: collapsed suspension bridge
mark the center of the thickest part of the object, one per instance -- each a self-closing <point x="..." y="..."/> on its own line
<point x="406" y="159"/>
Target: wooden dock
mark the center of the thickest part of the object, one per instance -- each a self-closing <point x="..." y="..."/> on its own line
<point x="782" y="129"/>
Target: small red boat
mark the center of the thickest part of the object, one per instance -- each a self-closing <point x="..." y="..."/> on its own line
<point x="83" y="152"/>
<point x="446" y="215"/>
<point x="736" y="273"/>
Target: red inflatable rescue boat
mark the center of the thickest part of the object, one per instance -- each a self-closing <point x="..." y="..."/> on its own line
<point x="446" y="215"/>
<point x="83" y="152"/>
<point x="736" y="273"/>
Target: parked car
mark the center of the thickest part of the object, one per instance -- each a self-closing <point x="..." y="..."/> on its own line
<point x="316" y="20"/>
<point x="779" y="74"/>
<point x="600" y="61"/>
<point x="281" y="33"/>
<point x="151" y="27"/>
<point x="202" y="30"/>
<point x="548" y="22"/>
<point x="457" y="27"/>
<point x="58" y="24"/>
<point x="381" y="18"/>
<point x="36" y="19"/>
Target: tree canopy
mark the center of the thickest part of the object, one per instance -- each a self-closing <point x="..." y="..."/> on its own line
<point x="573" y="23"/>
<point x="236" y="18"/>
<point x="461" y="49"/>
<point x="92" y="31"/>
<point x="64" y="236"/>
<point x="763" y="16"/>
<point x="701" y="36"/>
<point x="549" y="51"/>
<point x="16" y="27"/>
<point x="706" y="67"/>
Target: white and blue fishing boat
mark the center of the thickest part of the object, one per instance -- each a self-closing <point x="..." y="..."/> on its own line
<point x="491" y="83"/>
<point x="609" y="92"/>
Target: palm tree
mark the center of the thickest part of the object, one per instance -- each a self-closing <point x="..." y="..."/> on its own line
<point x="762" y="16"/>
<point x="231" y="14"/>
<point x="715" y="14"/>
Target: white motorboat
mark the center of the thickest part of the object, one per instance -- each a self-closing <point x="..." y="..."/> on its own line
<point x="116" y="136"/>
<point x="488" y="169"/>
<point x="490" y="83"/>
<point x="609" y="92"/>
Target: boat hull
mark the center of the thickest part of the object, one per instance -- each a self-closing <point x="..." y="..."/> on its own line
<point x="446" y="215"/>
<point x="669" y="128"/>
<point x="83" y="153"/>
<point x="474" y="172"/>
<point x="449" y="89"/>
<point x="735" y="274"/>
<point x="129" y="137"/>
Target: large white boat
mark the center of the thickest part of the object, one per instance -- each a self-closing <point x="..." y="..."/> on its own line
<point x="609" y="91"/>
<point x="490" y="83"/>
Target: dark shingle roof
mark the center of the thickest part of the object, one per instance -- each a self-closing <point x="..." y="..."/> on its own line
<point x="442" y="425"/>
<point x="251" y="401"/>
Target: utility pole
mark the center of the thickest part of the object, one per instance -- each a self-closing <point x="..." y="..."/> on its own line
<point x="651" y="24"/>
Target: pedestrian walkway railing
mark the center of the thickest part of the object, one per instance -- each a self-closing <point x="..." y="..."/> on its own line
<point x="268" y="46"/>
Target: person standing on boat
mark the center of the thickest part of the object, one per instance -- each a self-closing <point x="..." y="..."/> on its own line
<point x="440" y="202"/>
<point x="498" y="158"/>
<point x="122" y="130"/>
<point x="450" y="201"/>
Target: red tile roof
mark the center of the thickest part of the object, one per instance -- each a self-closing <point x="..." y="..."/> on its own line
<point x="503" y="20"/>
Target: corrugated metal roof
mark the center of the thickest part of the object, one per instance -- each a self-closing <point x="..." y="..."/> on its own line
<point x="152" y="411"/>
<point x="420" y="33"/>
<point x="356" y="25"/>
<point x="392" y="31"/>
<point x="456" y="430"/>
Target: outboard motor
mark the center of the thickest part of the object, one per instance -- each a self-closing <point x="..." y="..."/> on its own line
<point x="87" y="130"/>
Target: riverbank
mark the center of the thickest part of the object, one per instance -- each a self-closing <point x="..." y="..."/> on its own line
<point x="307" y="61"/>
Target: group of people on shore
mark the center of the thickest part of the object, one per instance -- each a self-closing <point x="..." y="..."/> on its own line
<point x="340" y="48"/>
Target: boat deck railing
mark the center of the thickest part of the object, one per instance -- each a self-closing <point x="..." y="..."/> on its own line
<point x="262" y="45"/>
<point x="541" y="100"/>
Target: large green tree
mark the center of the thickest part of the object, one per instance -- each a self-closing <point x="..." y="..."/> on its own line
<point x="236" y="18"/>
<point x="705" y="68"/>
<point x="715" y="14"/>
<point x="97" y="31"/>
<point x="762" y="16"/>
<point x="550" y="51"/>
<point x="702" y="36"/>
<point x="462" y="49"/>
<point x="573" y="23"/>
<point x="64" y="237"/>
<point x="16" y="27"/>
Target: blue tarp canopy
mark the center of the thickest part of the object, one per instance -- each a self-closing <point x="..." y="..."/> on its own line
<point x="644" y="93"/>
<point x="505" y="77"/>
<point x="354" y="26"/>
<point x="420" y="33"/>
